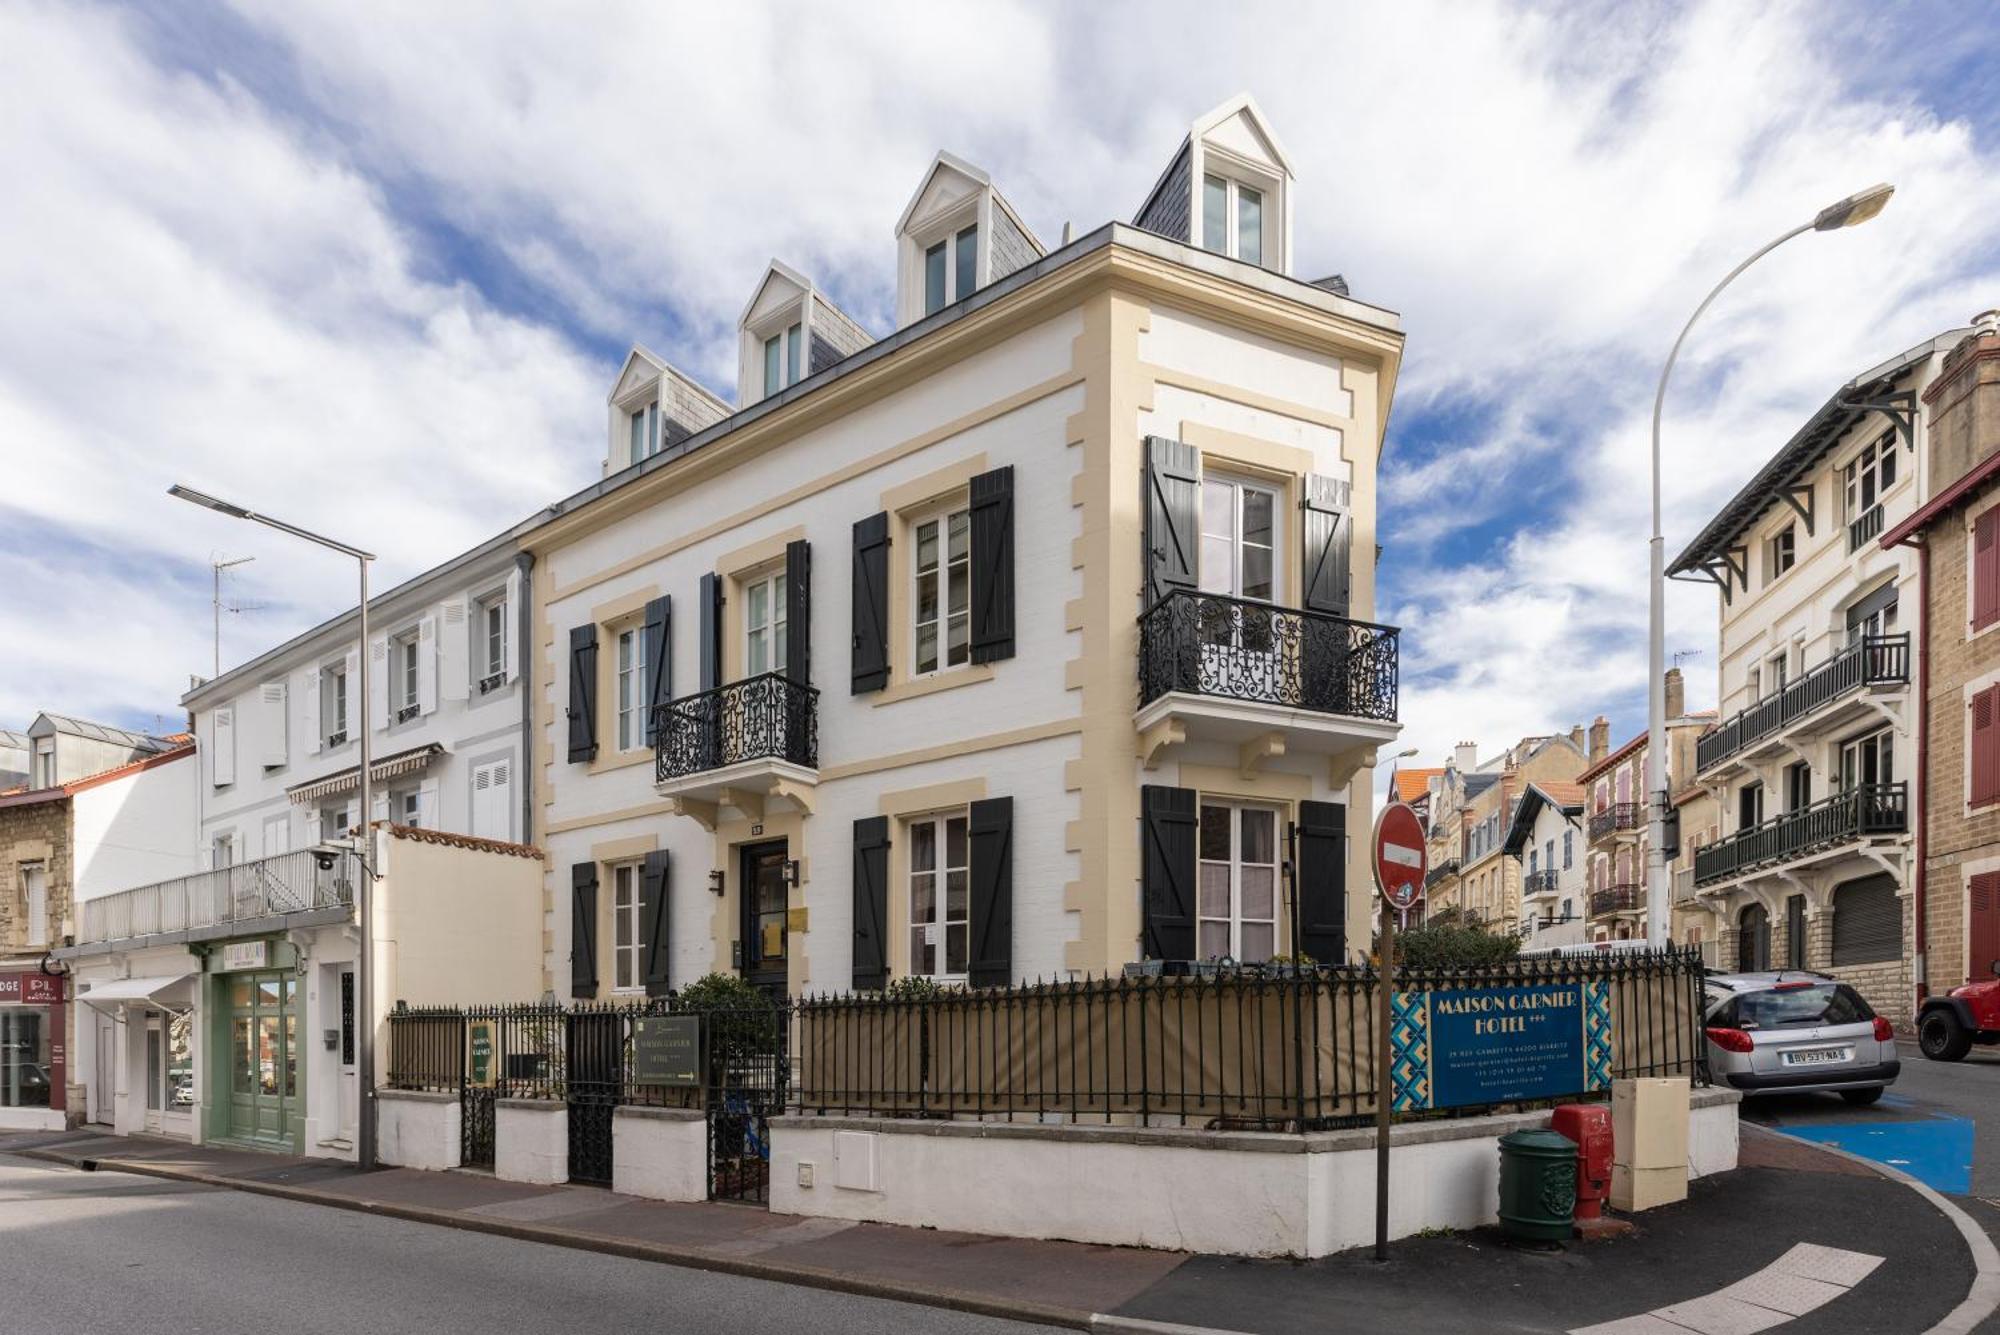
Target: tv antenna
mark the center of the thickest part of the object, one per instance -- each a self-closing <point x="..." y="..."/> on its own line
<point x="1683" y="654"/>
<point x="216" y="566"/>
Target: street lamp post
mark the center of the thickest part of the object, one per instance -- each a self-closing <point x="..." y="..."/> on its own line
<point x="364" y="890"/>
<point x="1850" y="212"/>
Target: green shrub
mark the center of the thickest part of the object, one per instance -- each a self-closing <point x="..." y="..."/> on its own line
<point x="1454" y="944"/>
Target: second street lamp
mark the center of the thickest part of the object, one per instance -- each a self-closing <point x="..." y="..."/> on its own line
<point x="364" y="889"/>
<point x="1852" y="211"/>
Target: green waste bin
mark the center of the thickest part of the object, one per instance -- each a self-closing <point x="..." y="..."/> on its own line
<point x="1537" y="1186"/>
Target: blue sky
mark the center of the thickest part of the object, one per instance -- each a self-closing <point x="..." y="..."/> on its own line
<point x="373" y="266"/>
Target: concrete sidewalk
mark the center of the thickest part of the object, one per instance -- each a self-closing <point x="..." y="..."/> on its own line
<point x="1878" y="1255"/>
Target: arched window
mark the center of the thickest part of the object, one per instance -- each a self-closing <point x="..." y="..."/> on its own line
<point x="1753" y="941"/>
<point x="1867" y="921"/>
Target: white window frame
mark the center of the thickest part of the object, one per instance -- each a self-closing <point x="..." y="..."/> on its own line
<point x="1864" y="472"/>
<point x="1780" y="675"/>
<point x="1241" y="488"/>
<point x="1236" y="177"/>
<point x="643" y="430"/>
<point x="789" y="345"/>
<point x="405" y="675"/>
<point x="406" y="807"/>
<point x="1781" y="552"/>
<point x="1235" y="920"/>
<point x="765" y="633"/>
<point x="35" y="903"/>
<point x="936" y="931"/>
<point x="628" y="685"/>
<point x="1848" y="758"/>
<point x="955" y="241"/>
<point x="342" y="818"/>
<point x="45" y="763"/>
<point x="492" y="657"/>
<point x="626" y="946"/>
<point x="335" y="675"/>
<point x="222" y="850"/>
<point x="940" y="575"/>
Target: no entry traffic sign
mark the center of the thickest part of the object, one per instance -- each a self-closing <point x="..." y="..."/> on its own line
<point x="1399" y="855"/>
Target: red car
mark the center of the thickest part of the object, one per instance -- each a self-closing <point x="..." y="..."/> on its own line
<point x="1949" y="1025"/>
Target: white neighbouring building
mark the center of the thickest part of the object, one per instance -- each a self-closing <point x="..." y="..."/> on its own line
<point x="1814" y="761"/>
<point x="1020" y="643"/>
<point x="1547" y="837"/>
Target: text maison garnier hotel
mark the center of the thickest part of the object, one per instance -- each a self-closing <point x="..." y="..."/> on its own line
<point x="1029" y="641"/>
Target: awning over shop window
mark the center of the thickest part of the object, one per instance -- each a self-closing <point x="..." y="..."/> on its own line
<point x="349" y="779"/>
<point x="172" y="993"/>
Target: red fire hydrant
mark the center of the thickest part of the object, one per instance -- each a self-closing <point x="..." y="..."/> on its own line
<point x="1589" y="1126"/>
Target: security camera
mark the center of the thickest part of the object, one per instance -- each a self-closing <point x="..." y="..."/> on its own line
<point x="326" y="855"/>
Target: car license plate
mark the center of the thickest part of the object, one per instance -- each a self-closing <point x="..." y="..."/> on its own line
<point x="1817" y="1056"/>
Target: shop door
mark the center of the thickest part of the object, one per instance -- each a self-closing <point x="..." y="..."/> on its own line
<point x="764" y="915"/>
<point x="104" y="1086"/>
<point x="263" y="1055"/>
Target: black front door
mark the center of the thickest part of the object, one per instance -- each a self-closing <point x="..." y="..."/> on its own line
<point x="763" y="882"/>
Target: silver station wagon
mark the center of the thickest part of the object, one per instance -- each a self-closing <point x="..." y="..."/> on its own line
<point x="1797" y="1032"/>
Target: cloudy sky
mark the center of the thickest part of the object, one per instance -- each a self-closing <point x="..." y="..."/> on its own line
<point x="372" y="266"/>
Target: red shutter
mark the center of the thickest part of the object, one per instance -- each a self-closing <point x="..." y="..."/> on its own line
<point x="1986" y="569"/>
<point x="1985" y="746"/>
<point x="1982" y="945"/>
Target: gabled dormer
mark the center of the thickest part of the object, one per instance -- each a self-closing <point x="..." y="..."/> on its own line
<point x="788" y="332"/>
<point x="958" y="234"/>
<point x="1228" y="189"/>
<point x="654" y="406"/>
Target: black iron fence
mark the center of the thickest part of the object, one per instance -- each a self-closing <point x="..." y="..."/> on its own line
<point x="766" y="717"/>
<point x="1873" y="660"/>
<point x="1285" y="1050"/>
<point x="1210" y="644"/>
<point x="1859" y="813"/>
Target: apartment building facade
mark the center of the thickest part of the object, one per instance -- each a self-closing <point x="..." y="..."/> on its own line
<point x="113" y="806"/>
<point x="1031" y="640"/>
<point x="1956" y="537"/>
<point x="1472" y="818"/>
<point x="1546" y="841"/>
<point x="1814" y="763"/>
<point x="1618" y="821"/>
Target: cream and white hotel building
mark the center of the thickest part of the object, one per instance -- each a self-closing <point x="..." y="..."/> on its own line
<point x="1029" y="641"/>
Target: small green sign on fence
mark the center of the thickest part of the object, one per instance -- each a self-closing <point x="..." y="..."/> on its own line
<point x="666" y="1050"/>
<point x="479" y="1052"/>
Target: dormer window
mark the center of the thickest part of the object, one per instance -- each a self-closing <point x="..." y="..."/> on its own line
<point x="782" y="360"/>
<point x="645" y="431"/>
<point x="950" y="269"/>
<point x="1232" y="219"/>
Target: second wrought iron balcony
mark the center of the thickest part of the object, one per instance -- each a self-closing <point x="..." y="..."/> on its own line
<point x="1618" y="818"/>
<point x="1538" y="883"/>
<point x="1627" y="898"/>
<point x="1818" y="830"/>
<point x="1269" y="679"/>
<point x="739" y="747"/>
<point x="1820" y="701"/>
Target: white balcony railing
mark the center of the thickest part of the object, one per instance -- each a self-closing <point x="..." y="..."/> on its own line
<point x="266" y="888"/>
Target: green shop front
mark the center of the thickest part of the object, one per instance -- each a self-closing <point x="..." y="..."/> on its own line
<point x="253" y="996"/>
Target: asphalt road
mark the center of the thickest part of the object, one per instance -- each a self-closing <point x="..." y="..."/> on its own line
<point x="106" y="1252"/>
<point x="1940" y="1122"/>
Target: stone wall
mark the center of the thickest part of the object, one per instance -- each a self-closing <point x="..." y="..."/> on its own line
<point x="36" y="833"/>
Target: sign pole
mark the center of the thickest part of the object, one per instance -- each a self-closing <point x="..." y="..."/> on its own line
<point x="1385" y="983"/>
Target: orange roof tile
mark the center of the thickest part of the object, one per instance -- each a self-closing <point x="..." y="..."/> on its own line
<point x="1412" y="784"/>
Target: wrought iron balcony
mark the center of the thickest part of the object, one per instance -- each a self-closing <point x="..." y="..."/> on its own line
<point x="1618" y="816"/>
<point x="1539" y="883"/>
<point x="1208" y="644"/>
<point x="1876" y="660"/>
<point x="1443" y="871"/>
<point x="1865" y="528"/>
<point x="1617" y="899"/>
<point x="1859" y="813"/>
<point x="226" y="898"/>
<point x="767" y="717"/>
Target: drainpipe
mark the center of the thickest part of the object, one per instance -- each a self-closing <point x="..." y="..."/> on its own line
<point x="1919" y="889"/>
<point x="524" y="678"/>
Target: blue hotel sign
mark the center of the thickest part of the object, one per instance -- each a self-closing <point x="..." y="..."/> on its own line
<point x="1467" y="1046"/>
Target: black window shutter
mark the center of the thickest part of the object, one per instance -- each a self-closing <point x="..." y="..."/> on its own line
<point x="582" y="693"/>
<point x="871" y="903"/>
<point x="1173" y="517"/>
<point x="655" y="920"/>
<point x="993" y="565"/>
<point x="711" y="631"/>
<point x="1328" y="530"/>
<point x="659" y="664"/>
<point x="871" y="603"/>
<point x="583" y="930"/>
<point x="1167" y="871"/>
<point x="1322" y="881"/>
<point x="798" y="611"/>
<point x="991" y="912"/>
<point x="1867" y="921"/>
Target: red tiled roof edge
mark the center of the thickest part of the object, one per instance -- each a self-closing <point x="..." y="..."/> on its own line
<point x="446" y="839"/>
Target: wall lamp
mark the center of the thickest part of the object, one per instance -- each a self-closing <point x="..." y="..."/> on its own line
<point x="715" y="879"/>
<point x="792" y="873"/>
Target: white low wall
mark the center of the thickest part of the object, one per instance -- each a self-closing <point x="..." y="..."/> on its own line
<point x="660" y="1153"/>
<point x="33" y="1119"/>
<point x="418" y="1128"/>
<point x="531" y="1141"/>
<point x="1230" y="1193"/>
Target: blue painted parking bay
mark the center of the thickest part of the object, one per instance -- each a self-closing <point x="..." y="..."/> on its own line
<point x="1934" y="1148"/>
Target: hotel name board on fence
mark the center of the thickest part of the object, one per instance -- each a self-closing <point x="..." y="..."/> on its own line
<point x="1464" y="1047"/>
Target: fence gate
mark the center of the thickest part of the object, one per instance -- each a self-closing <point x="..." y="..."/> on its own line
<point x="476" y="1123"/>
<point x="595" y="1068"/>
<point x="749" y="1079"/>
